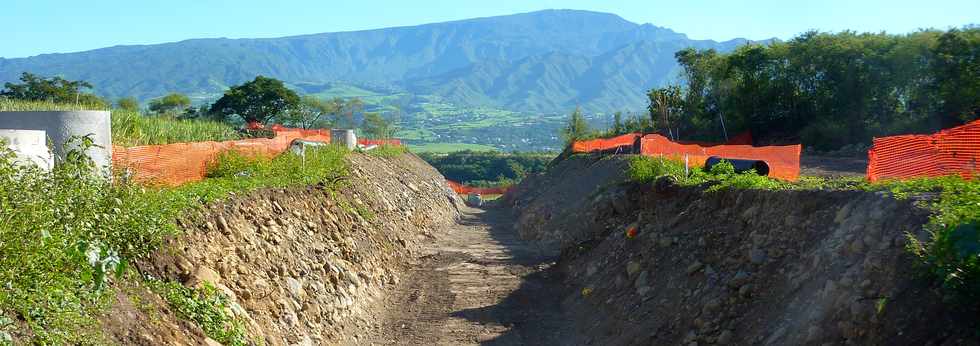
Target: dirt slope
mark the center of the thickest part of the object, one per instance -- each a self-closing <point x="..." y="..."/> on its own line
<point x="741" y="267"/>
<point x="302" y="266"/>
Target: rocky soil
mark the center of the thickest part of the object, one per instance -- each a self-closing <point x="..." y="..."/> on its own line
<point x="577" y="256"/>
<point x="731" y="267"/>
<point x="301" y="266"/>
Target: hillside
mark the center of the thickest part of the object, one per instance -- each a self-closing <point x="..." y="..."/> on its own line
<point x="537" y="63"/>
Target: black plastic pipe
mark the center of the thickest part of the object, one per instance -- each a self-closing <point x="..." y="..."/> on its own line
<point x="741" y="165"/>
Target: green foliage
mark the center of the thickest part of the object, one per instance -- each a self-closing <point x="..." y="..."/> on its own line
<point x="832" y="90"/>
<point x="207" y="307"/>
<point x="12" y="105"/>
<point x="666" y="107"/>
<point x="131" y="128"/>
<point x="645" y="169"/>
<point x="130" y="104"/>
<point x="233" y="172"/>
<point x="261" y="100"/>
<point x="312" y="112"/>
<point x="487" y="168"/>
<point x="54" y="89"/>
<point x="65" y="234"/>
<point x="377" y="127"/>
<point x="172" y="104"/>
<point x="576" y="128"/>
<point x="70" y="232"/>
<point x="388" y="151"/>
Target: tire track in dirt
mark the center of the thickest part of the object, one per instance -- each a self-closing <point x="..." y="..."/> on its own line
<point x="477" y="283"/>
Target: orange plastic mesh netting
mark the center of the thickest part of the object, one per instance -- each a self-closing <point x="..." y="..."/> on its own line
<point x="602" y="144"/>
<point x="464" y="190"/>
<point x="951" y="151"/>
<point x="389" y="142"/>
<point x="178" y="163"/>
<point x="783" y="160"/>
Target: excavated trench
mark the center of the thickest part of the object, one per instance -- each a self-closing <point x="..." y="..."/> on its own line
<point x="396" y="259"/>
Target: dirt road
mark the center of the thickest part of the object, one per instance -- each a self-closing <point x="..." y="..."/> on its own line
<point x="477" y="283"/>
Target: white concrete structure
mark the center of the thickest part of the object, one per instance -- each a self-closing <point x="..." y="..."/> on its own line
<point x="29" y="146"/>
<point x="346" y="138"/>
<point x="60" y="126"/>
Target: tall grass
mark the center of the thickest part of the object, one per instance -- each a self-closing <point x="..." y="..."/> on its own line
<point x="9" y="105"/>
<point x="131" y="128"/>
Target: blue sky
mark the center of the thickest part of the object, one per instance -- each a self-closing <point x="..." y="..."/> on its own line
<point x="32" y="27"/>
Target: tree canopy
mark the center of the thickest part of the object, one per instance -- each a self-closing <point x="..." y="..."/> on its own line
<point x="312" y="112"/>
<point x="576" y="128"/>
<point x="260" y="100"/>
<point x="172" y="104"/>
<point x="830" y="90"/>
<point x="128" y="103"/>
<point x="54" y="89"/>
<point x="376" y="126"/>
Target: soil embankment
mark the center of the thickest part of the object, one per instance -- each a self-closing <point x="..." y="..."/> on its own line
<point x="741" y="266"/>
<point x="301" y="266"/>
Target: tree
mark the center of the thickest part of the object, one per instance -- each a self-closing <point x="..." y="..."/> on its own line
<point x="351" y="109"/>
<point x="312" y="112"/>
<point x="618" y="123"/>
<point x="261" y="100"/>
<point x="665" y="106"/>
<point x="54" y="89"/>
<point x="957" y="76"/>
<point x="375" y="126"/>
<point x="577" y="127"/>
<point x="172" y="104"/>
<point x="128" y="104"/>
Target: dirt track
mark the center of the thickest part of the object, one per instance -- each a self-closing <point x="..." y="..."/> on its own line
<point x="477" y="283"/>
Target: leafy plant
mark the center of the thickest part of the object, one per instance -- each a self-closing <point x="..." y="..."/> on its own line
<point x="207" y="307"/>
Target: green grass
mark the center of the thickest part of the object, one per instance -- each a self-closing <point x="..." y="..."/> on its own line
<point x="387" y="151"/>
<point x="8" y="105"/>
<point x="68" y="233"/>
<point x="950" y="258"/>
<point x="132" y="128"/>
<point x="448" y="147"/>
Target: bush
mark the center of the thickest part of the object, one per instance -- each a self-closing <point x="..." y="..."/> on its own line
<point x="65" y="233"/>
<point x="69" y="232"/>
<point x="645" y="169"/>
<point x="207" y="307"/>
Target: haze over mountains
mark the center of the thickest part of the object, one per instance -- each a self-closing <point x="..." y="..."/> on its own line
<point x="546" y="61"/>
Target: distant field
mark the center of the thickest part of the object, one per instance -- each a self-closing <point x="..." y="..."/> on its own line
<point x="448" y="147"/>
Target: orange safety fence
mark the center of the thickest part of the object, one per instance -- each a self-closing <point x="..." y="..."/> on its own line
<point x="629" y="140"/>
<point x="602" y="144"/>
<point x="303" y="132"/>
<point x="465" y="190"/>
<point x="950" y="151"/>
<point x="178" y="163"/>
<point x="394" y="142"/>
<point x="783" y="160"/>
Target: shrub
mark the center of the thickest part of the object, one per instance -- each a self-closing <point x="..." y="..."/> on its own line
<point x="645" y="169"/>
<point x="67" y="233"/>
<point x="207" y="307"/>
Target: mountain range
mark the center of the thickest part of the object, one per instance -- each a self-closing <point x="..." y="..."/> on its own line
<point x="545" y="61"/>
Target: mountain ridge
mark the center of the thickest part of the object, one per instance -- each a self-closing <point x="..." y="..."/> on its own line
<point x="383" y="55"/>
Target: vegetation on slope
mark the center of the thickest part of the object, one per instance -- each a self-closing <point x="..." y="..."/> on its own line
<point x="68" y="233"/>
<point x="951" y="258"/>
